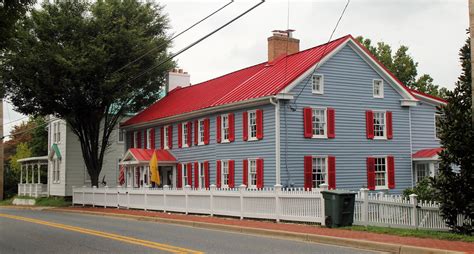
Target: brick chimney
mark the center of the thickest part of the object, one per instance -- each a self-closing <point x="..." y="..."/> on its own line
<point x="282" y="43"/>
<point x="177" y="77"/>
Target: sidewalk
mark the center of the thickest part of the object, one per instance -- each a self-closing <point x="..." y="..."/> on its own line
<point x="315" y="233"/>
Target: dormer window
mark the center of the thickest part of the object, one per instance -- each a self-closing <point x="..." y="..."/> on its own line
<point x="378" y="88"/>
<point x="317" y="81"/>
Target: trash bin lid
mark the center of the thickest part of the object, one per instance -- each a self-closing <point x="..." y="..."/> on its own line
<point x="338" y="192"/>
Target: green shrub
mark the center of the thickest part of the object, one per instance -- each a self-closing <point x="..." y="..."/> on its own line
<point x="424" y="189"/>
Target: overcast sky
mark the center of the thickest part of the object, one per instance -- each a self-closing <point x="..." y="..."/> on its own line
<point x="434" y="31"/>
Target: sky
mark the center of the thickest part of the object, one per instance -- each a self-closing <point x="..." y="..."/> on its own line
<point x="434" y="31"/>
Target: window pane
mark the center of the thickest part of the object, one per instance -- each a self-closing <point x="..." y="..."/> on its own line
<point x="319" y="122"/>
<point x="252" y="125"/>
<point x="379" y="124"/>
<point x="380" y="172"/>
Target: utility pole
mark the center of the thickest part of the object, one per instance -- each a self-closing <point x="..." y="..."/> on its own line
<point x="1" y="149"/>
<point x="471" y="32"/>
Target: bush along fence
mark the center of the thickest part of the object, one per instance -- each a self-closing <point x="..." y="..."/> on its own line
<point x="277" y="203"/>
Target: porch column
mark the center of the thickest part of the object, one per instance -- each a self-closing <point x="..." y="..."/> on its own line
<point x="39" y="179"/>
<point x="148" y="175"/>
<point x="32" y="173"/>
<point x="175" y="173"/>
<point x="21" y="173"/>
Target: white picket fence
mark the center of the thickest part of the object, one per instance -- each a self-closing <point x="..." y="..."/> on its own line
<point x="269" y="203"/>
<point x="375" y="209"/>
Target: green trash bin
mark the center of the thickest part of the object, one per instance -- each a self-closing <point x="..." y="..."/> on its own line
<point x="339" y="208"/>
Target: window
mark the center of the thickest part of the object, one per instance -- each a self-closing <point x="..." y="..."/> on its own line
<point x="379" y="125"/>
<point x="201" y="132"/>
<point x="317" y="80"/>
<point x="252" y="173"/>
<point x="380" y="172"/>
<point x="319" y="123"/>
<point x="438" y="125"/>
<point x="225" y="128"/>
<point x="422" y="171"/>
<point x="378" y="88"/>
<point x="202" y="178"/>
<point x="319" y="171"/>
<point x="165" y="137"/>
<point x="135" y="139"/>
<point x="56" y="132"/>
<point x="148" y="139"/>
<point x="225" y="174"/>
<point x="56" y="176"/>
<point x="184" y="134"/>
<point x="185" y="174"/>
<point x="252" y="128"/>
<point x="120" y="136"/>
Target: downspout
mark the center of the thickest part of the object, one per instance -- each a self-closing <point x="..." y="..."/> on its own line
<point x="411" y="149"/>
<point x="277" y="140"/>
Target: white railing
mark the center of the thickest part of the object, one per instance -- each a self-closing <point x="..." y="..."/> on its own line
<point x="32" y="189"/>
<point x="268" y="203"/>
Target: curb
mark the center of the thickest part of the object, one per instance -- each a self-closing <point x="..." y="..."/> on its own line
<point x="330" y="240"/>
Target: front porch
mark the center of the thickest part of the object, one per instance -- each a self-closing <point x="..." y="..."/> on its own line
<point x="425" y="164"/>
<point x="32" y="182"/>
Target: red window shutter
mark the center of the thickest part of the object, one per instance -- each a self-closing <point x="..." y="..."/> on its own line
<point x="145" y="138"/>
<point x="196" y="174"/>
<point x="308" y="122"/>
<point x="371" y="173"/>
<point x="391" y="172"/>
<point x="231" y="118"/>
<point x="259" y="173"/>
<point x="190" y="131"/>
<point x="388" y="115"/>
<point x="162" y="137"/>
<point x="180" y="135"/>
<point x="139" y="139"/>
<point x="132" y="141"/>
<point x="206" y="174"/>
<point x="369" y="119"/>
<point x="245" y="172"/>
<point x="190" y="174"/>
<point x="331" y="172"/>
<point x="179" y="184"/>
<point x="206" y="131"/>
<point x="152" y="140"/>
<point x="259" y="119"/>
<point x="196" y="132"/>
<point x="170" y="136"/>
<point x="231" y="176"/>
<point x="218" y="174"/>
<point x="218" y="129"/>
<point x="308" y="172"/>
<point x="331" y="123"/>
<point x="245" y="126"/>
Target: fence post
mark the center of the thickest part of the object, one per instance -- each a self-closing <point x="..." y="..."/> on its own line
<point x="165" y="189"/>
<point x="73" y="196"/>
<point x="277" y="201"/>
<point x="106" y="188"/>
<point x="242" y="188"/>
<point x="323" y="187"/>
<point x="414" y="212"/>
<point x="212" y="188"/>
<point x="365" y="206"/>
<point x="128" y="197"/>
<point x="83" y="195"/>
<point x="118" y="195"/>
<point x="145" y="191"/>
<point x="186" y="189"/>
<point x="94" y="188"/>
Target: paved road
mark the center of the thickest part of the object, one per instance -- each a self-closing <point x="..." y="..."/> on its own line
<point x="42" y="231"/>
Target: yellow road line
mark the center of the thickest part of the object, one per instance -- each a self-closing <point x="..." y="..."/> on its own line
<point x="121" y="238"/>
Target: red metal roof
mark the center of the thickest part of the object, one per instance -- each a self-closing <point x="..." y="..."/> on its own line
<point x="427" y="153"/>
<point x="261" y="80"/>
<point x="145" y="154"/>
<point x="415" y="92"/>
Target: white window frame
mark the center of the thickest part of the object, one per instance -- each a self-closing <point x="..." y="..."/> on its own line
<point x="325" y="135"/>
<point x="249" y="125"/>
<point x="426" y="168"/>
<point x="120" y="136"/>
<point x="436" y="115"/>
<point x="57" y="132"/>
<point x="225" y="127"/>
<point x="384" y="124"/>
<point x="201" y="175"/>
<point x="250" y="173"/>
<point x="135" y="139"/>
<point x="165" y="137"/>
<point x="56" y="171"/>
<point x="184" y="134"/>
<point x="148" y="138"/>
<point x="184" y="167"/>
<point x="385" y="186"/>
<point x="381" y="91"/>
<point x="314" y="182"/>
<point x="321" y="84"/>
<point x="224" y="173"/>
<point x="201" y="131"/>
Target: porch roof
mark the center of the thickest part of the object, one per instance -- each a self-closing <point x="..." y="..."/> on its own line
<point x="138" y="155"/>
<point x="43" y="160"/>
<point x="427" y="154"/>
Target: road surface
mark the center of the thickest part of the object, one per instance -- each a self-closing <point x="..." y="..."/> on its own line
<point x="43" y="231"/>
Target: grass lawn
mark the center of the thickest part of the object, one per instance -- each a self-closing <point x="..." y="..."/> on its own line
<point x="414" y="233"/>
<point x="43" y="201"/>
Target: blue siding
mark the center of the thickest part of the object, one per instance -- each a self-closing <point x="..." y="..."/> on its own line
<point x="347" y="89"/>
<point x="423" y="127"/>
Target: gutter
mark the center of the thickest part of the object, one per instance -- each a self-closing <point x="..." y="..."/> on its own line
<point x="277" y="140"/>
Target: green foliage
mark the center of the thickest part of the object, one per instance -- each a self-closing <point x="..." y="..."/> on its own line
<point x="403" y="66"/>
<point x="10" y="12"/>
<point x="53" y="201"/>
<point x="455" y="188"/>
<point x="67" y="61"/>
<point x="22" y="151"/>
<point x="424" y="189"/>
<point x="39" y="137"/>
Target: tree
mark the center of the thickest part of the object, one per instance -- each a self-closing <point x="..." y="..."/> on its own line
<point x="10" y="12"/>
<point x="68" y="61"/>
<point x="455" y="188"/>
<point x="403" y="66"/>
<point x="22" y="151"/>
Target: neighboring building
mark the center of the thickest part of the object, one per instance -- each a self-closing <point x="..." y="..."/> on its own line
<point x="329" y="114"/>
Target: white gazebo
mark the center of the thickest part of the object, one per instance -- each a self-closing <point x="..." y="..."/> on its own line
<point x="30" y="177"/>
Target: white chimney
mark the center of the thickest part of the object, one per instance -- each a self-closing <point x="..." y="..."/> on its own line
<point x="175" y="78"/>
